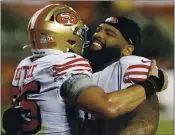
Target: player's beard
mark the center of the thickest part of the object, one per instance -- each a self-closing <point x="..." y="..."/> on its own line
<point x="102" y="58"/>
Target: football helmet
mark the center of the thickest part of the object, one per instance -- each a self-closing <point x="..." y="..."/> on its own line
<point x="56" y="27"/>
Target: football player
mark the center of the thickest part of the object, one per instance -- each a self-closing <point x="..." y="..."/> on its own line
<point x="49" y="85"/>
<point x="113" y="46"/>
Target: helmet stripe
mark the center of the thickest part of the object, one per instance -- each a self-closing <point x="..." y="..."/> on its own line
<point x="35" y="23"/>
<point x="38" y="15"/>
<point x="35" y="16"/>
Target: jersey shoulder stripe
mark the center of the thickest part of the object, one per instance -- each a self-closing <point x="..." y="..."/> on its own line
<point x="138" y="66"/>
<point x="136" y="73"/>
<point x="72" y="64"/>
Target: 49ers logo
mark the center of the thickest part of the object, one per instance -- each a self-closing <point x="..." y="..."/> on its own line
<point x="67" y="19"/>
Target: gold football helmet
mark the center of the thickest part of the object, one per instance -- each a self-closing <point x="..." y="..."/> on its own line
<point x="57" y="27"/>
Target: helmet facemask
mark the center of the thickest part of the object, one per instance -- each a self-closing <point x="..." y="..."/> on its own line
<point x="81" y="32"/>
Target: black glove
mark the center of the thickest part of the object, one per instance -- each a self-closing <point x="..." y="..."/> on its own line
<point x="12" y="120"/>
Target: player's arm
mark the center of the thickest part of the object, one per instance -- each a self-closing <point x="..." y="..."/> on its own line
<point x="79" y="91"/>
<point x="145" y="118"/>
<point x="140" y="121"/>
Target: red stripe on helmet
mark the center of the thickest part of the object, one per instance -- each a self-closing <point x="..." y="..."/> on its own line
<point x="37" y="22"/>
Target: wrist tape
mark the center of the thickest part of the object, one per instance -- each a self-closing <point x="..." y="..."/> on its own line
<point x="153" y="84"/>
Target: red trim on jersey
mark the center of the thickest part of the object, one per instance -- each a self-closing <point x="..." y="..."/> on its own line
<point x="139" y="66"/>
<point x="71" y="66"/>
<point x="62" y="67"/>
<point x="60" y="74"/>
<point x="55" y="74"/>
<point x="71" y="62"/>
<point x="136" y="73"/>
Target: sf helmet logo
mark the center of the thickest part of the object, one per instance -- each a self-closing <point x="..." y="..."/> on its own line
<point x="67" y="19"/>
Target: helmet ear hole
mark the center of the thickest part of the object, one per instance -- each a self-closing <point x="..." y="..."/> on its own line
<point x="71" y="42"/>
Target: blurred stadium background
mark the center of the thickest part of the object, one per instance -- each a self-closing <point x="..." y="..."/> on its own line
<point x="156" y="19"/>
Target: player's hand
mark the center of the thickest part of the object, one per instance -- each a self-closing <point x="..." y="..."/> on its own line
<point x="154" y="71"/>
<point x="166" y="82"/>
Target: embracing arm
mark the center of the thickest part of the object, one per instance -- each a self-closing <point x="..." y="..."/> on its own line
<point x="113" y="104"/>
<point x="80" y="91"/>
<point x="145" y="118"/>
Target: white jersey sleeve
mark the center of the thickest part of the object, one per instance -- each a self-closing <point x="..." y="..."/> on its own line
<point x="40" y="82"/>
<point x="122" y="73"/>
<point x="135" y="68"/>
<point x="71" y="64"/>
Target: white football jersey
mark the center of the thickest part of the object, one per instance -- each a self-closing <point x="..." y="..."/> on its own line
<point x="39" y="83"/>
<point x="122" y="73"/>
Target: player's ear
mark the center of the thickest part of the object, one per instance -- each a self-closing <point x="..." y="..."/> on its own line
<point x="127" y="50"/>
